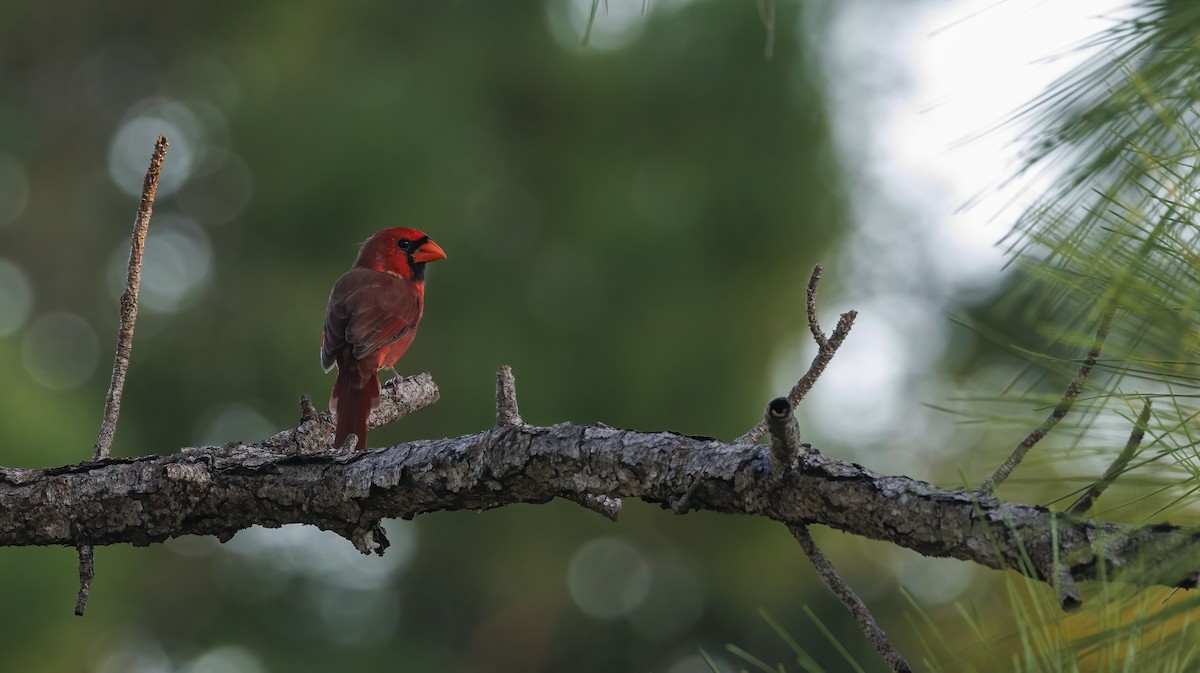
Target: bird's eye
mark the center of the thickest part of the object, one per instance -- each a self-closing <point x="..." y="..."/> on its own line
<point x="404" y="243"/>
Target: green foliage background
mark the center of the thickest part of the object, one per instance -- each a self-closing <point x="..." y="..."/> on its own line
<point x="619" y="226"/>
<point x="630" y="229"/>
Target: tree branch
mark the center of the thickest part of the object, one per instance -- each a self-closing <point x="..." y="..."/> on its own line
<point x="221" y="490"/>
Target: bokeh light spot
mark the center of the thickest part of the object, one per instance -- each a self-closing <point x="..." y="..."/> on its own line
<point x="614" y="23"/>
<point x="14" y="188"/>
<point x="348" y="597"/>
<point x="135" y="654"/>
<point x="60" y="350"/>
<point x="129" y="153"/>
<point x="308" y="552"/>
<point x="235" y="422"/>
<point x="608" y="578"/>
<point x="357" y="616"/>
<point x="932" y="581"/>
<point x="16" y="297"/>
<point x="224" y="659"/>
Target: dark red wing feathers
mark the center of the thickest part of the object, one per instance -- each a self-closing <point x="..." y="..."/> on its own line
<point x="371" y="319"/>
<point x="368" y="311"/>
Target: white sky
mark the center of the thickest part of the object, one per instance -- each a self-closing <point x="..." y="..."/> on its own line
<point x="918" y="90"/>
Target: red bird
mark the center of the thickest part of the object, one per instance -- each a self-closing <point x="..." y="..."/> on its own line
<point x="372" y="318"/>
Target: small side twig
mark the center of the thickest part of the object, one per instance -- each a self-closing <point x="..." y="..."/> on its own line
<point x="785" y="448"/>
<point x="87" y="572"/>
<point x="508" y="416"/>
<point x="116" y="385"/>
<point x="1085" y="502"/>
<point x="826" y="347"/>
<point x="853" y="603"/>
<point x="507" y="413"/>
<point x="1059" y="412"/>
<point x="604" y="505"/>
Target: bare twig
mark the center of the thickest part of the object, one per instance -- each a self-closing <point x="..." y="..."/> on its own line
<point x="826" y="347"/>
<point x="853" y="603"/>
<point x="1085" y="502"/>
<point x="116" y="385"/>
<point x="606" y="506"/>
<point x="1060" y="411"/>
<point x="507" y="413"/>
<point x="129" y="304"/>
<point x="508" y="416"/>
<point x="785" y="448"/>
<point x="811" y="308"/>
<point x="87" y="572"/>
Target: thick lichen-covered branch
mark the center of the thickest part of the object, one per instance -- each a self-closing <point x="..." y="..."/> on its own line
<point x="221" y="490"/>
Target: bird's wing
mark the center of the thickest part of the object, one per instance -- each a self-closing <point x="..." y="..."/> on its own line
<point x="368" y="310"/>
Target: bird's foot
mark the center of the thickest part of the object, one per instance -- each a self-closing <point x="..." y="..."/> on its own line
<point x="394" y="381"/>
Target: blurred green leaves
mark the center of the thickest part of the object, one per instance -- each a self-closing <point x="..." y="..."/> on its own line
<point x="622" y="225"/>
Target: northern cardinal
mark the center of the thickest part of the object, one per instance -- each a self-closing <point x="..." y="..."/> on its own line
<point x="372" y="318"/>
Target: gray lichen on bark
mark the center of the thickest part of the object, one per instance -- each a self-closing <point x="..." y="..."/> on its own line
<point x="293" y="478"/>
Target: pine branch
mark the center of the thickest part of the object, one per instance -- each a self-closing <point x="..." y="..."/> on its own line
<point x="291" y="478"/>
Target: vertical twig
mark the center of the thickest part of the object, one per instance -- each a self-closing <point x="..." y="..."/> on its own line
<point x="507" y="413"/>
<point x="87" y="572"/>
<point x="116" y="385"/>
<point x="1060" y="411"/>
<point x="826" y="347"/>
<point x="129" y="304"/>
<point x="508" y="416"/>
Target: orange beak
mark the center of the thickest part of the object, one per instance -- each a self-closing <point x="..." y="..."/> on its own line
<point x="429" y="252"/>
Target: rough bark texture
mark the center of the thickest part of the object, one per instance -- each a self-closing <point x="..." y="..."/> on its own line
<point x="289" y="478"/>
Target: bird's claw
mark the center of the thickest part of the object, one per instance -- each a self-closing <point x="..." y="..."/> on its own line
<point x="394" y="381"/>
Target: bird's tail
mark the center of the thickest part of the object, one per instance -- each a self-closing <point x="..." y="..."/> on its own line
<point x="355" y="393"/>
